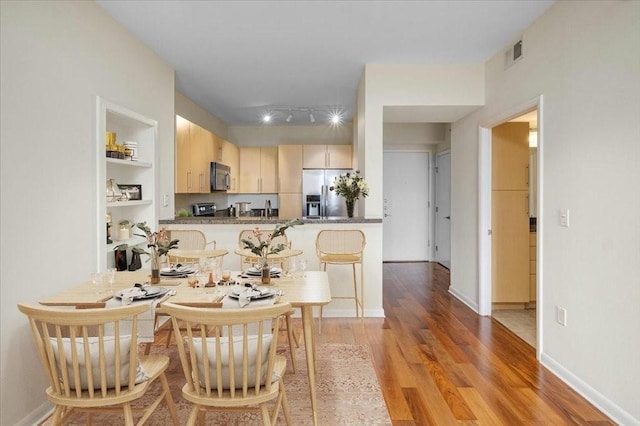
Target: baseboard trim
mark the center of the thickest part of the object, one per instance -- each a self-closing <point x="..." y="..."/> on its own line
<point x="37" y="416"/>
<point x="616" y="413"/>
<point x="461" y="297"/>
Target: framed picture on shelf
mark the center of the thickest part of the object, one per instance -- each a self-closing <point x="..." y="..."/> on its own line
<point x="134" y="191"/>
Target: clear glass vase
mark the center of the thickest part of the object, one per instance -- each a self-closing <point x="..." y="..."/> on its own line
<point x="155" y="266"/>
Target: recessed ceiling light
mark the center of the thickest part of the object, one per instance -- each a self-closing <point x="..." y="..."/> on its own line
<point x="266" y="118"/>
<point x="336" y="118"/>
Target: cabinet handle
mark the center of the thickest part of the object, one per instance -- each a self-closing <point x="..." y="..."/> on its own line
<point x="527" y="171"/>
<point x="526" y="199"/>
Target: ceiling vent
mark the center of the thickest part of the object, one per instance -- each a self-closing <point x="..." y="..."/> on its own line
<point x="513" y="54"/>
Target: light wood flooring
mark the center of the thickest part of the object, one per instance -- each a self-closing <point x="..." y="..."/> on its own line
<point x="438" y="363"/>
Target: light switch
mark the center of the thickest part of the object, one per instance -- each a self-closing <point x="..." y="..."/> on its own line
<point x="564" y="218"/>
<point x="165" y="200"/>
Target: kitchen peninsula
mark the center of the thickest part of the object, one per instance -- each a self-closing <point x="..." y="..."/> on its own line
<point x="225" y="230"/>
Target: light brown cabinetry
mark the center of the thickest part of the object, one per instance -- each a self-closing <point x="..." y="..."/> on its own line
<point x="510" y="213"/>
<point x="230" y="156"/>
<point x="195" y="149"/>
<point x="510" y="247"/>
<point x="258" y="170"/>
<point x="289" y="181"/>
<point x="326" y="157"/>
<point x="532" y="266"/>
<point x="289" y="205"/>
<point x="510" y="157"/>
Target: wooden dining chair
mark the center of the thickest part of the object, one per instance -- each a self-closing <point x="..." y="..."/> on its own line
<point x="229" y="360"/>
<point x="189" y="239"/>
<point x="343" y="247"/>
<point x="93" y="365"/>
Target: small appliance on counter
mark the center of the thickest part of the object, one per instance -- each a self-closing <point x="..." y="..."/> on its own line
<point x="243" y="208"/>
<point x="203" y="209"/>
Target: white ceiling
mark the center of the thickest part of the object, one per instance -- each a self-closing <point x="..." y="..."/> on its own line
<point x="238" y="59"/>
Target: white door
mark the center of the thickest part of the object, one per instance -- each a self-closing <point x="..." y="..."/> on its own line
<point x="405" y="230"/>
<point x="443" y="209"/>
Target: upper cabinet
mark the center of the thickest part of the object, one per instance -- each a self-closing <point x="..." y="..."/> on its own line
<point x="326" y="157"/>
<point x="230" y="156"/>
<point x="510" y="157"/>
<point x="195" y="148"/>
<point x="258" y="170"/>
<point x="133" y="178"/>
<point x="290" y="168"/>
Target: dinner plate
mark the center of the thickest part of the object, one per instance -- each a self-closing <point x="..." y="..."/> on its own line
<point x="253" y="294"/>
<point x="256" y="272"/>
<point x="148" y="293"/>
<point x="177" y="272"/>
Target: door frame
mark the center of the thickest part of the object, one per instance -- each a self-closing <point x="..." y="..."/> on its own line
<point x="435" y="197"/>
<point x="484" y="210"/>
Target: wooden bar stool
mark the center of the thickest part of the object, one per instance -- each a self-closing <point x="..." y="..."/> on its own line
<point x="343" y="247"/>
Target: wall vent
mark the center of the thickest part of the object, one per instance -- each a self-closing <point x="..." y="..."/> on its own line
<point x="513" y="54"/>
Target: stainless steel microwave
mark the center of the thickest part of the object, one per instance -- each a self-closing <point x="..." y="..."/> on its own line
<point x="220" y="177"/>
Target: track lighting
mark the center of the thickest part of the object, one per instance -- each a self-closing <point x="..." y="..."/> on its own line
<point x="298" y="115"/>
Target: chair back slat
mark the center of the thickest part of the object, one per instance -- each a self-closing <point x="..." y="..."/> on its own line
<point x="83" y="351"/>
<point x="227" y="353"/>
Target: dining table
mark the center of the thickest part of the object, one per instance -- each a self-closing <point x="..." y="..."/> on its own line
<point x="304" y="290"/>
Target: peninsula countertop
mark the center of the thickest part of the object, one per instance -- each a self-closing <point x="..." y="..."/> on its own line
<point x="225" y="220"/>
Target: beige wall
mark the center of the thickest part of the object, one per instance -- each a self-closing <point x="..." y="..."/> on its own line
<point x="412" y="135"/>
<point x="193" y="112"/>
<point x="56" y="57"/>
<point x="291" y="135"/>
<point x="584" y="59"/>
<point x="406" y="85"/>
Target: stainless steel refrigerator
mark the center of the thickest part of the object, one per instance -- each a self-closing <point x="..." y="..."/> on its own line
<point x="317" y="199"/>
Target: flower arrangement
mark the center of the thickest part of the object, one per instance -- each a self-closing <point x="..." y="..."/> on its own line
<point x="260" y="244"/>
<point x="351" y="186"/>
<point x="159" y="242"/>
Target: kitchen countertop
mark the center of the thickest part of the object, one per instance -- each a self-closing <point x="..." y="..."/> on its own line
<point x="225" y="220"/>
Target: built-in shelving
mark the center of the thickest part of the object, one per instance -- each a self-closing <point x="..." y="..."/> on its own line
<point x="128" y="126"/>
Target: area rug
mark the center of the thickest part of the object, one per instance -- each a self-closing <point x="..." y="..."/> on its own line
<point x="347" y="390"/>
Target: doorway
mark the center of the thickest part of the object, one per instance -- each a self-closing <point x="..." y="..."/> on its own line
<point x="443" y="209"/>
<point x="405" y="230"/>
<point x="534" y="247"/>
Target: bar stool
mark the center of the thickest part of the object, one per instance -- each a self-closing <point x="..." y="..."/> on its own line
<point x="343" y="247"/>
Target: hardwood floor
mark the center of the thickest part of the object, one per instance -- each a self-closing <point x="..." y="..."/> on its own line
<point x="439" y="363"/>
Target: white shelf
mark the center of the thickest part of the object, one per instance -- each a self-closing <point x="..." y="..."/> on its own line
<point x="129" y="203"/>
<point x="130" y="163"/>
<point x="133" y="241"/>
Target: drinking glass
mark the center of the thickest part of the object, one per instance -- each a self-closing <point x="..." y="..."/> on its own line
<point x="302" y="265"/>
<point x="111" y="278"/>
<point x="291" y="272"/>
<point x="226" y="275"/>
<point x="97" y="282"/>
